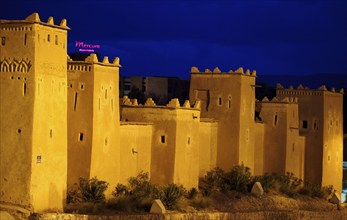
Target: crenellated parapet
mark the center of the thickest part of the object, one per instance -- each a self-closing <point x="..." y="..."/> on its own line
<point x="173" y="104"/>
<point x="305" y="91"/>
<point x="34" y="18"/>
<point x="285" y="100"/>
<point x="239" y="71"/>
<point x="92" y="59"/>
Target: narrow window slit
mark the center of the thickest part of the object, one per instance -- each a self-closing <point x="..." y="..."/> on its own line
<point x="80" y="136"/>
<point x="275" y="120"/>
<point x="75" y="102"/>
<point x="24" y="89"/>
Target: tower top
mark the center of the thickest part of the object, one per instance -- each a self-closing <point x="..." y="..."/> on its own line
<point x="93" y="59"/>
<point x="217" y="71"/>
<point x="301" y="90"/>
<point x="34" y="18"/>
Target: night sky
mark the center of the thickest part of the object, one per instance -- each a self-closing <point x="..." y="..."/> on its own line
<point x="168" y="37"/>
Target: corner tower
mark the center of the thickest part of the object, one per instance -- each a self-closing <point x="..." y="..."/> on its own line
<point x="33" y="122"/>
<point x="228" y="97"/>
<point x="283" y="147"/>
<point x="93" y="120"/>
<point x="321" y="122"/>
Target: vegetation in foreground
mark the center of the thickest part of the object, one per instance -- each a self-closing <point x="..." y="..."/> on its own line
<point x="218" y="191"/>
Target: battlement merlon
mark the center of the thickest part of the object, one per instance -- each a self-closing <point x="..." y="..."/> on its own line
<point x="173" y="104"/>
<point x="34" y="18"/>
<point x="276" y="100"/>
<point x="217" y="71"/>
<point x="301" y="90"/>
<point x="93" y="59"/>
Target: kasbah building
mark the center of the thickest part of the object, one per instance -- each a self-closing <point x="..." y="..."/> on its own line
<point x="63" y="119"/>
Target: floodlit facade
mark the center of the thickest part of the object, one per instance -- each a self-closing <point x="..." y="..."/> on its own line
<point x="93" y="120"/>
<point x="63" y="119"/>
<point x="321" y="122"/>
<point x="33" y="112"/>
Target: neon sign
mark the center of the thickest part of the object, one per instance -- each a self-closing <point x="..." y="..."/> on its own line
<point x="83" y="47"/>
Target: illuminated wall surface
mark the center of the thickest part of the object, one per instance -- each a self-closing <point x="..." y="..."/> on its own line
<point x="62" y="119"/>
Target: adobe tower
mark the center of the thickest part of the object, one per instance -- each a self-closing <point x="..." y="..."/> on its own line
<point x="93" y="120"/>
<point x="320" y="121"/>
<point x="228" y="97"/>
<point x="33" y="141"/>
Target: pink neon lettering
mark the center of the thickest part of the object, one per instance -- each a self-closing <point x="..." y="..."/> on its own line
<point x="86" y="50"/>
<point x="81" y="44"/>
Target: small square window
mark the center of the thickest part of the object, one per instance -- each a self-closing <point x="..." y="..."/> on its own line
<point x="38" y="159"/>
<point x="162" y="139"/>
<point x="304" y="124"/>
<point x="82" y="86"/>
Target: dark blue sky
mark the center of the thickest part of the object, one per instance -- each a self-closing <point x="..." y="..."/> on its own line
<point x="154" y="37"/>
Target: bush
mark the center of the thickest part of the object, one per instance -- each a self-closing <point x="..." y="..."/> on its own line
<point x="171" y="195"/>
<point x="312" y="190"/>
<point x="215" y="180"/>
<point x="239" y="178"/>
<point x="267" y="181"/>
<point x="92" y="190"/>
<point x="192" y="193"/>
<point x="137" y="195"/>
<point x="88" y="190"/>
<point x="289" y="184"/>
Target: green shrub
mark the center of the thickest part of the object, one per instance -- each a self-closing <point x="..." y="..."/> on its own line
<point x="120" y="190"/>
<point x="289" y="184"/>
<point x="74" y="195"/>
<point x="92" y="190"/>
<point x="139" y="192"/>
<point x="171" y="195"/>
<point x="215" y="180"/>
<point x="193" y="192"/>
<point x="267" y="181"/>
<point x="88" y="190"/>
<point x="239" y="178"/>
<point x="312" y="190"/>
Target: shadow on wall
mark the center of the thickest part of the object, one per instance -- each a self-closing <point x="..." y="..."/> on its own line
<point x="53" y="196"/>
